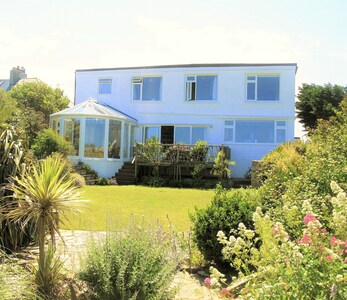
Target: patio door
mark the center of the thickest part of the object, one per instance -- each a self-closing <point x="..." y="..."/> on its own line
<point x="167" y="135"/>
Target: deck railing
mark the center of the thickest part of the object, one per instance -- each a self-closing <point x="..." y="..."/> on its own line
<point x="177" y="153"/>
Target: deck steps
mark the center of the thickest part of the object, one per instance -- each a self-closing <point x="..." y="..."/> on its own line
<point x="90" y="176"/>
<point x="126" y="175"/>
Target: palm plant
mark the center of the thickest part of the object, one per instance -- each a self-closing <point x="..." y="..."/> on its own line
<point x="42" y="198"/>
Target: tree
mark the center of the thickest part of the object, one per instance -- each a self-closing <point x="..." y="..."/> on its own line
<point x="36" y="102"/>
<point x="8" y="107"/>
<point x="318" y="102"/>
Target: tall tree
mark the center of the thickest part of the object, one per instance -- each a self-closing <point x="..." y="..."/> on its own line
<point x="36" y="101"/>
<point x="318" y="102"/>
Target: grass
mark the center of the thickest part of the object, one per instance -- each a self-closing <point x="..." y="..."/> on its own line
<point x="116" y="206"/>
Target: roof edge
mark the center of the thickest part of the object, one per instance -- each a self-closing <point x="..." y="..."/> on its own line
<point x="221" y="65"/>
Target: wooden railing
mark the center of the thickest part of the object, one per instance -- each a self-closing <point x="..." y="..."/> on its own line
<point x="177" y="153"/>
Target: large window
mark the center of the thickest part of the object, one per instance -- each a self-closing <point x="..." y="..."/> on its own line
<point x="263" y="88"/>
<point x="189" y="135"/>
<point x="72" y="134"/>
<point x="254" y="131"/>
<point x="114" y="139"/>
<point x="94" y="138"/>
<point x="105" y="85"/>
<point x="201" y="88"/>
<point x="147" y="88"/>
<point x="151" y="131"/>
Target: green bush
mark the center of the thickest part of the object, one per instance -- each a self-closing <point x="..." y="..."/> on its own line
<point x="226" y="211"/>
<point x="137" y="264"/>
<point x="47" y="142"/>
<point x="78" y="179"/>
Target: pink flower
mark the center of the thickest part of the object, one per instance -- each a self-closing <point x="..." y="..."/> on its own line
<point x="309" y="218"/>
<point x="275" y="230"/>
<point x="305" y="239"/>
<point x="329" y="258"/>
<point x="345" y="260"/>
<point x="333" y="241"/>
<point x="207" y="281"/>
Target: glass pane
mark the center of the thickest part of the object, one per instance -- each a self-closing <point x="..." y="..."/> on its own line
<point x="206" y="88"/>
<point x="229" y="123"/>
<point x="280" y="135"/>
<point x="114" y="139"/>
<point x="250" y="91"/>
<point x="104" y="88"/>
<point x="254" y="131"/>
<point x="182" y="135"/>
<point x="228" y="134"/>
<point x="268" y="87"/>
<point x="94" y="138"/>
<point x="137" y="92"/>
<point x="190" y="78"/>
<point x="198" y="133"/>
<point x="151" y="88"/>
<point x="281" y="123"/>
<point x="126" y="141"/>
<point x="72" y="135"/>
<point x="250" y="77"/>
<point x="151" y="131"/>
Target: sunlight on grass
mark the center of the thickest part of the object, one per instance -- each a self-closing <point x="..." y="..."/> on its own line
<point x="115" y="206"/>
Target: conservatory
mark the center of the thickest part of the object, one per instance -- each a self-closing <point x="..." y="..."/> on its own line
<point x="100" y="136"/>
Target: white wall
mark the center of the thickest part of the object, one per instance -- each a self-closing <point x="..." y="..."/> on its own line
<point x="173" y="109"/>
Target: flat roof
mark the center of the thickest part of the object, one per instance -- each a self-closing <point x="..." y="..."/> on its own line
<point x="221" y="65"/>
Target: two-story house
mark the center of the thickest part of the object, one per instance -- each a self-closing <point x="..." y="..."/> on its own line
<point x="247" y="107"/>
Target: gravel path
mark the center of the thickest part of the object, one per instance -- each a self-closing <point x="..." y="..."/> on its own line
<point x="75" y="242"/>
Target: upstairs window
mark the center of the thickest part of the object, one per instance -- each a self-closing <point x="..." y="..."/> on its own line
<point x="146" y="88"/>
<point x="201" y="88"/>
<point x="263" y="88"/>
<point x="105" y="85"/>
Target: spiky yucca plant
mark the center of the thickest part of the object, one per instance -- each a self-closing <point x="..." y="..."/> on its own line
<point x="42" y="198"/>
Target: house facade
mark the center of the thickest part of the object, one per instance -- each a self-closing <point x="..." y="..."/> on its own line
<point x="248" y="107"/>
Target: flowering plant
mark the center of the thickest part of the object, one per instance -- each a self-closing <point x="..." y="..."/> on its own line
<point x="311" y="267"/>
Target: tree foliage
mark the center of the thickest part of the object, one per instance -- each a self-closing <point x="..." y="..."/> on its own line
<point x="318" y="102"/>
<point x="36" y="102"/>
<point x="8" y="107"/>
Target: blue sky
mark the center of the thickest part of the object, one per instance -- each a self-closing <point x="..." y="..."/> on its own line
<point x="52" y="39"/>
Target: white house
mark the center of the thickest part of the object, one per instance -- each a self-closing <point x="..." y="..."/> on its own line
<point x="247" y="107"/>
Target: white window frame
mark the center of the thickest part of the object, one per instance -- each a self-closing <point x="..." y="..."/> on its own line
<point x="104" y="81"/>
<point x="138" y="80"/>
<point x="192" y="82"/>
<point x="255" y="81"/>
<point x="278" y="124"/>
<point x="229" y="126"/>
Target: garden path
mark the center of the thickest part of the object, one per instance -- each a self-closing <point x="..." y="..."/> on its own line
<point x="190" y="287"/>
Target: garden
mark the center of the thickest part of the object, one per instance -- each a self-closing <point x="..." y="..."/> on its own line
<point x="286" y="239"/>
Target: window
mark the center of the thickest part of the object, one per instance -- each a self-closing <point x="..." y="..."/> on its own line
<point x="228" y="131"/>
<point x="72" y="135"/>
<point x="94" y="138"/>
<point x="280" y="131"/>
<point x="201" y="88"/>
<point x="114" y="139"/>
<point x="263" y="88"/>
<point x="189" y="135"/>
<point x="105" y="85"/>
<point x="151" y="131"/>
<point x="254" y="131"/>
<point x="147" y="88"/>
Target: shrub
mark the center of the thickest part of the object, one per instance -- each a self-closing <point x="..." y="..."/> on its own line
<point x="47" y="142"/>
<point x="137" y="264"/>
<point x="103" y="181"/>
<point x="225" y="212"/>
<point x="78" y="179"/>
<point x="221" y="166"/>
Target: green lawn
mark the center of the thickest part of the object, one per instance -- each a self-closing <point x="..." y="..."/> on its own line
<point x="116" y="206"/>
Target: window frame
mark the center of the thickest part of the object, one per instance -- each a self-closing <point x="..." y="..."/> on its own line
<point x="100" y="83"/>
<point x="190" y="82"/>
<point x="141" y="84"/>
<point x="255" y="82"/>
<point x="278" y="125"/>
